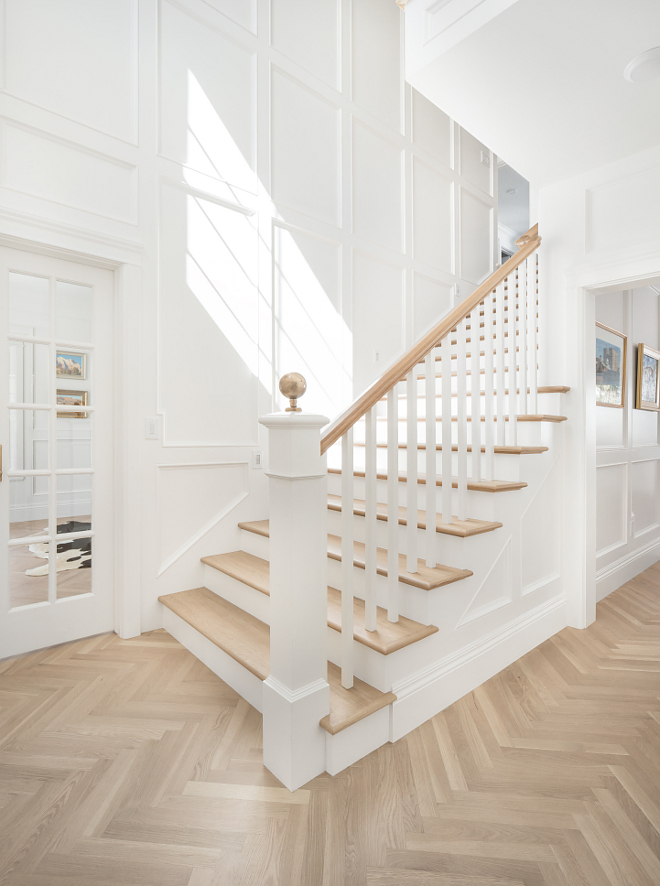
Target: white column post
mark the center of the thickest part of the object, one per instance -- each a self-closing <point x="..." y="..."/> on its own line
<point x="296" y="694"/>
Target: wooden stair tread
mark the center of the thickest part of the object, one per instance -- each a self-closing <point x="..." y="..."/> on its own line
<point x="537" y="417"/>
<point x="242" y="636"/>
<point x="425" y="578"/>
<point x="459" y="528"/>
<point x="501" y="450"/>
<point x="349" y="706"/>
<point x="387" y="639"/>
<point x="476" y="485"/>
<point x="542" y="389"/>
<point x="251" y="570"/>
<point x="247" y="640"/>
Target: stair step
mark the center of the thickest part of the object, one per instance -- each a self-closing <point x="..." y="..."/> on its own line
<point x="543" y="389"/>
<point x="500" y="450"/>
<point x="425" y="578"/>
<point x="540" y="417"/>
<point x="388" y="637"/>
<point x="459" y="528"/>
<point x="476" y="485"/>
<point x="255" y="572"/>
<point x="247" y="640"/>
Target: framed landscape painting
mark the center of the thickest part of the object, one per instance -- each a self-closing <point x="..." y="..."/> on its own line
<point x="611" y="353"/>
<point x="648" y="378"/>
<point x="72" y="398"/>
<point x="71" y="365"/>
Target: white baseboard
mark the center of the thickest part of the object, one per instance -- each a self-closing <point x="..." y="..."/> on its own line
<point x="434" y="689"/>
<point x="611" y="577"/>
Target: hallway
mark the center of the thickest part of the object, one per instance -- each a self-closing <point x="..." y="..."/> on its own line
<point x="128" y="762"/>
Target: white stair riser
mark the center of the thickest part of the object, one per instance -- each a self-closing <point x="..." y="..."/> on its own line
<point x="480" y="505"/>
<point x="547" y="403"/>
<point x="450" y="550"/>
<point x="528" y="434"/>
<point x="507" y="467"/>
<point x="238" y="593"/>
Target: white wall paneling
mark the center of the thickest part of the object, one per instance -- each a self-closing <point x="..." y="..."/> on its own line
<point x="76" y="60"/>
<point x="540" y="520"/>
<point x="378" y="86"/>
<point x="476" y="234"/>
<point x="430" y="298"/>
<point x="308" y="34"/>
<point x="45" y="166"/>
<point x="612" y="498"/>
<point x="377" y="188"/>
<point x="305" y="149"/>
<point x="476" y="162"/>
<point x="432" y="129"/>
<point x="433" y="217"/>
<point x="192" y="499"/>
<point x="496" y="589"/>
<point x="644" y="488"/>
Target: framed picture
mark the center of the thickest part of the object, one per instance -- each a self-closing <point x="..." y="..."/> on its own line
<point x="611" y="353"/>
<point x="69" y="364"/>
<point x="648" y="378"/>
<point x="72" y="398"/>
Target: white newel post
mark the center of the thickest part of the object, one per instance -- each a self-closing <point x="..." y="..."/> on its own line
<point x="296" y="694"/>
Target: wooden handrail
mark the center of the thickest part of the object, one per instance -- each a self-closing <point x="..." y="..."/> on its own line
<point x="528" y="243"/>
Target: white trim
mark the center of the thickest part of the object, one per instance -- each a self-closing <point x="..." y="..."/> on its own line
<point x="294" y="695"/>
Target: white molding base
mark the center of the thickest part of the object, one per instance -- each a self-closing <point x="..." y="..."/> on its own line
<point x="626" y="568"/>
<point x="434" y="689"/>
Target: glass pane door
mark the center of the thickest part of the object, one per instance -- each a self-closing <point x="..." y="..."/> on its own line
<point x="52" y="452"/>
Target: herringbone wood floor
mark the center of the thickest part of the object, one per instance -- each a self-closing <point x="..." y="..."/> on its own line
<point x="128" y="762"/>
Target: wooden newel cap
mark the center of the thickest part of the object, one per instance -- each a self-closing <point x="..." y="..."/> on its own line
<point x="293" y="385"/>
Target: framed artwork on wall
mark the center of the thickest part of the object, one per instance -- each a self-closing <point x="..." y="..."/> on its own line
<point x="611" y="354"/>
<point x="648" y="378"/>
<point x="72" y="398"/>
<point x="71" y="364"/>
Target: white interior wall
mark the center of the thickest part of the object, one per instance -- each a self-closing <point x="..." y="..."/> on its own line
<point x="601" y="234"/>
<point x="628" y="454"/>
<point x="274" y="197"/>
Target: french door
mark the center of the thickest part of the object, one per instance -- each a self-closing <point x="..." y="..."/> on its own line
<point x="56" y="432"/>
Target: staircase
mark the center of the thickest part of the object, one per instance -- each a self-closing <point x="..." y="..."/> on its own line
<point x="420" y="468"/>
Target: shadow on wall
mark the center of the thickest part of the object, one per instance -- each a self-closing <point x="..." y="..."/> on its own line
<point x="261" y="283"/>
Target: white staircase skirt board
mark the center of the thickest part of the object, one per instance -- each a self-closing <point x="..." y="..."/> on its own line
<point x="358" y="740"/>
<point x="224" y="666"/>
<point x="432" y="690"/>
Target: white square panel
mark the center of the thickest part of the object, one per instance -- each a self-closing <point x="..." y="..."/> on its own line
<point x="378" y="322"/>
<point x="433" y="213"/>
<point x="611" y="507"/>
<point x="376" y="68"/>
<point x="308" y="34"/>
<point x="207" y="90"/>
<point x="431" y="301"/>
<point x="305" y="149"/>
<point x="76" y="59"/>
<point x="243" y="12"/>
<point x="377" y="188"/>
<point x="645" y="494"/>
<point x="431" y="128"/>
<point x="473" y="153"/>
<point x="476" y="239"/>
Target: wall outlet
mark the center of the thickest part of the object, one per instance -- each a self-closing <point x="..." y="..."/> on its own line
<point x="257" y="459"/>
<point x="151" y="428"/>
<point x="485" y="158"/>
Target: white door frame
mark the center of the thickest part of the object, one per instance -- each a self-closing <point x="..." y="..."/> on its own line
<point x="127" y="423"/>
<point x="583" y="286"/>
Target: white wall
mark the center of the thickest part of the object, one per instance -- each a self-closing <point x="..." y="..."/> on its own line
<point x="274" y="197"/>
<point x="601" y="233"/>
<point x="628" y="454"/>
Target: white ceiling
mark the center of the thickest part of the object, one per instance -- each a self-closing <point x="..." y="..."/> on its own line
<point x="542" y="84"/>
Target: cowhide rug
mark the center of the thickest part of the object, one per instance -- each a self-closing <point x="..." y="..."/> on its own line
<point x="76" y="553"/>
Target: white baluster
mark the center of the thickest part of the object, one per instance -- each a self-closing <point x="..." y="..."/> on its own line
<point x="431" y="470"/>
<point x="523" y="286"/>
<point x="501" y="375"/>
<point x="347" y="560"/>
<point x="475" y="391"/>
<point x="489" y="436"/>
<point x="445" y="403"/>
<point x="533" y="343"/>
<point x="370" y="515"/>
<point x="411" y="462"/>
<point x="393" y="505"/>
<point x="511" y="345"/>
<point x="461" y="413"/>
